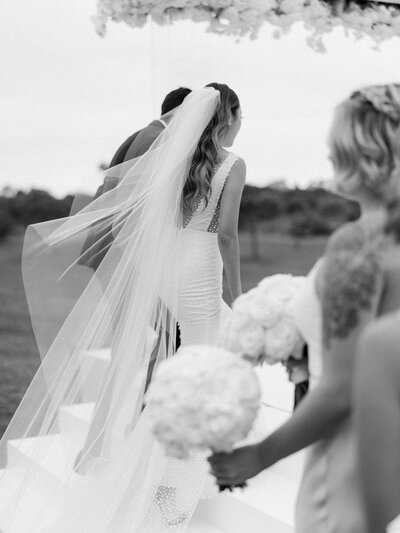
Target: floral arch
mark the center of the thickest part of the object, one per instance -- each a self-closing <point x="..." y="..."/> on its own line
<point x="378" y="19"/>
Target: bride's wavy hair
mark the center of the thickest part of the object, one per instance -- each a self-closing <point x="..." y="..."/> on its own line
<point x="198" y="183"/>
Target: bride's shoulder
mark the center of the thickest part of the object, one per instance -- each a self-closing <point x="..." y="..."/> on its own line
<point x="235" y="174"/>
<point x="237" y="164"/>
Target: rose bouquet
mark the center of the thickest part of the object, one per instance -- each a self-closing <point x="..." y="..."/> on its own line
<point x="261" y="326"/>
<point x="394" y="526"/>
<point x="204" y="398"/>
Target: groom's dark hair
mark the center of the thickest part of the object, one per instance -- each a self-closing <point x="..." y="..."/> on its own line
<point x="174" y="99"/>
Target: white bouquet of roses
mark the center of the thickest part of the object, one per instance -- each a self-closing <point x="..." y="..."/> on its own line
<point x="204" y="398"/>
<point x="261" y="326"/>
<point x="394" y="526"/>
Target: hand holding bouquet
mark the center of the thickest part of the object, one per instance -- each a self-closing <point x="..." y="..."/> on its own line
<point x="204" y="398"/>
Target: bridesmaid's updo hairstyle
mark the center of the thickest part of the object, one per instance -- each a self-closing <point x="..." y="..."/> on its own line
<point x="205" y="158"/>
<point x="365" y="142"/>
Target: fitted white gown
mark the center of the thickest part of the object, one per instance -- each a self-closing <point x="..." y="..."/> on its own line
<point x="180" y="484"/>
<point x="200" y="304"/>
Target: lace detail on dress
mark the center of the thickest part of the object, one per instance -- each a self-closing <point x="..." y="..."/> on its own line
<point x="214" y="224"/>
<point x="205" y="217"/>
<point x="195" y="208"/>
<point x="200" y="198"/>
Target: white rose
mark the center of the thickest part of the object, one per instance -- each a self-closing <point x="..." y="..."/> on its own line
<point x="251" y="339"/>
<point x="282" y="341"/>
<point x="203" y="398"/>
<point x="265" y="310"/>
<point x="394" y="526"/>
<point x="283" y="287"/>
<point x="241" y="301"/>
<point x="240" y="317"/>
<point x="228" y="337"/>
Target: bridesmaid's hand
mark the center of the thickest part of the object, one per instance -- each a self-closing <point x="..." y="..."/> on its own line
<point x="236" y="467"/>
<point x="297" y="370"/>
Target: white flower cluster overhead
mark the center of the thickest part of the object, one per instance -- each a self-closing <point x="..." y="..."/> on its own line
<point x="380" y="20"/>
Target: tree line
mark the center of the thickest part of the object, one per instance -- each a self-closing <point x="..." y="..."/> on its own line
<point x="297" y="212"/>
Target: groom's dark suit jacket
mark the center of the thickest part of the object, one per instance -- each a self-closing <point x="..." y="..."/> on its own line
<point x="98" y="241"/>
<point x="96" y="247"/>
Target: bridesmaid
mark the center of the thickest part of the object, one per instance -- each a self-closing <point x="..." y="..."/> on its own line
<point x="346" y="290"/>
<point x="377" y="402"/>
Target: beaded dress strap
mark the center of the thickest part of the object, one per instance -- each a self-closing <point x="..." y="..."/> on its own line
<point x="214" y="223"/>
<point x="203" y="213"/>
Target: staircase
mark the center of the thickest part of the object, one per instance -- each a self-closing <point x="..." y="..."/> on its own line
<point x="265" y="506"/>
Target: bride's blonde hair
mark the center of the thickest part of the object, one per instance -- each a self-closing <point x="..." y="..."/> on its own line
<point x="365" y="141"/>
<point x="198" y="183"/>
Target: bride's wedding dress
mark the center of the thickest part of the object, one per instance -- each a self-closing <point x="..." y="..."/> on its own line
<point x="160" y="269"/>
<point x="200" y="304"/>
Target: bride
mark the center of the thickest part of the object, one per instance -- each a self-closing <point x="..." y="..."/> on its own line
<point x="174" y="219"/>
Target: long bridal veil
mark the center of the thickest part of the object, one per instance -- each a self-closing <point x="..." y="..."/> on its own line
<point x="59" y="477"/>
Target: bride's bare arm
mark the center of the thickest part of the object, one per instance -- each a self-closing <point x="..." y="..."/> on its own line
<point x="228" y="238"/>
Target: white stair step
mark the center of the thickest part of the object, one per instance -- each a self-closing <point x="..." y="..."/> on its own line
<point x="91" y="374"/>
<point x="268" y="420"/>
<point x="28" y="514"/>
<point x="102" y="354"/>
<point x="201" y="524"/>
<point x="272" y="494"/>
<point x="50" y="458"/>
<point x="233" y="515"/>
<point x="267" y="504"/>
<point x="291" y="467"/>
<point x="95" y="363"/>
<point x="277" y="390"/>
<point x="75" y="420"/>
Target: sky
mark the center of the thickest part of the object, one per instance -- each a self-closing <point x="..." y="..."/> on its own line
<point x="69" y="98"/>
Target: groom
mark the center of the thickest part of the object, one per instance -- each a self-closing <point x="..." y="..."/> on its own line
<point x="98" y="242"/>
<point x="140" y="141"/>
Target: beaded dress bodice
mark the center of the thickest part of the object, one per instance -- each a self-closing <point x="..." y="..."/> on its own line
<point x="205" y="215"/>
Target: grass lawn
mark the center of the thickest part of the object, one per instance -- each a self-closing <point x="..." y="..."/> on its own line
<point x="19" y="357"/>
